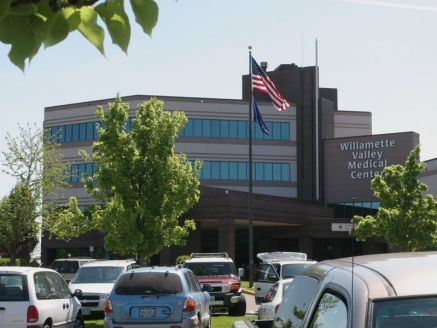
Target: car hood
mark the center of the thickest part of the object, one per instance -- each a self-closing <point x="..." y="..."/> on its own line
<point x="281" y="256"/>
<point x="92" y="288"/>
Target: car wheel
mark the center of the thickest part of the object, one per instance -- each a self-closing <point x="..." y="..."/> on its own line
<point x="46" y="325"/>
<point x="239" y="310"/>
<point x="79" y="323"/>
<point x="209" y="323"/>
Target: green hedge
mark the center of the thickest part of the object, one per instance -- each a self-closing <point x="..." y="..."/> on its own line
<point x="19" y="262"/>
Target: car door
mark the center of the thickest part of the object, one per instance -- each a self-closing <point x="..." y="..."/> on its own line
<point x="265" y="279"/>
<point x="197" y="290"/>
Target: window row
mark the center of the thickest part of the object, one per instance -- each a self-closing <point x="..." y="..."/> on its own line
<point x="214" y="171"/>
<point x="194" y="128"/>
<point x="240" y="171"/>
<point x="348" y="210"/>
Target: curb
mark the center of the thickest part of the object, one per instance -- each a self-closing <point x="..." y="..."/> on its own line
<point x="249" y="292"/>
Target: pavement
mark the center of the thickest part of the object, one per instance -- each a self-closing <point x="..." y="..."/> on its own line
<point x="251" y="307"/>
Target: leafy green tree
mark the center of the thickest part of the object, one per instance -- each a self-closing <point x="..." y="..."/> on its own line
<point x="28" y="24"/>
<point x="140" y="186"/>
<point x="33" y="158"/>
<point x="407" y="219"/>
<point x="18" y="226"/>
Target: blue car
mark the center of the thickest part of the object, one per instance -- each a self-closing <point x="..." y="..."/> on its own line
<point x="158" y="297"/>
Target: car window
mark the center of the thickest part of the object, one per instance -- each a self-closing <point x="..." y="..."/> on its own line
<point x="293" y="270"/>
<point x="331" y="311"/>
<point x="267" y="273"/>
<point x="64" y="286"/>
<point x="12" y="287"/>
<point x="192" y="283"/>
<point x="295" y="302"/>
<point x="97" y="275"/>
<point x="149" y="283"/>
<point x="272" y="293"/>
<point x="55" y="289"/>
<point x="405" y="312"/>
<point x="211" y="268"/>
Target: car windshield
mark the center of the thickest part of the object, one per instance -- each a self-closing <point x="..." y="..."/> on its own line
<point x="420" y="311"/>
<point x="65" y="266"/>
<point x="211" y="268"/>
<point x="97" y="275"/>
<point x="149" y="283"/>
<point x="293" y="270"/>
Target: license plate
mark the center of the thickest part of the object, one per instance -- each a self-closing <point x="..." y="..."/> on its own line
<point x="147" y="312"/>
<point x="212" y="298"/>
<point x="86" y="311"/>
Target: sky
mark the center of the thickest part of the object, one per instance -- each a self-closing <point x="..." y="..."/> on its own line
<point x="381" y="56"/>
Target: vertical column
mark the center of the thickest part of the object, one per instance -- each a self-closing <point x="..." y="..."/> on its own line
<point x="226" y="236"/>
<point x="306" y="246"/>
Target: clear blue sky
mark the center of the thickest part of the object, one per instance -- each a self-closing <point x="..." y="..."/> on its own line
<point x="380" y="55"/>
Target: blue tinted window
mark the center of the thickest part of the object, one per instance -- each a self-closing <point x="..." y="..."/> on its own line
<point x="285" y="174"/>
<point x="224" y="129"/>
<point x="68" y="133"/>
<point x="89" y="169"/>
<point x="81" y="171"/>
<point x="242" y="132"/>
<point x="215" y="170"/>
<point x="82" y="131"/>
<point x="74" y="172"/>
<point x="90" y="131"/>
<point x="206" y="170"/>
<point x="215" y="128"/>
<point x="96" y="133"/>
<point x="233" y="171"/>
<point x="277" y="172"/>
<point x="242" y="171"/>
<point x="197" y="128"/>
<point x="285" y="131"/>
<point x="233" y="129"/>
<point x="52" y="132"/>
<point x="188" y="130"/>
<point x="268" y="171"/>
<point x="257" y="133"/>
<point x="206" y="126"/>
<point x="269" y="126"/>
<point x="259" y="171"/>
<point x="61" y="133"/>
<point x="276" y="135"/>
<point x="224" y="170"/>
<point x="75" y="132"/>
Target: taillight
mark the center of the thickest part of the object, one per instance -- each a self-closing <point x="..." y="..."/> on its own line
<point x="235" y="287"/>
<point x="32" y="314"/>
<point x="276" y="308"/>
<point x="107" y="307"/>
<point x="189" y="305"/>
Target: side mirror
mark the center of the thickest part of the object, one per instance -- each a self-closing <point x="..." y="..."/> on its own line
<point x="241" y="272"/>
<point x="77" y="292"/>
<point x="206" y="288"/>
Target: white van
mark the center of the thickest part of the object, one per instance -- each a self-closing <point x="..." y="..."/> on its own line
<point x="275" y="266"/>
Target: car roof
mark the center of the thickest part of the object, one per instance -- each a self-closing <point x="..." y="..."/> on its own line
<point x="107" y="263"/>
<point x="290" y="262"/>
<point x="404" y="273"/>
<point x="158" y="269"/>
<point x="22" y="269"/>
<point x="281" y="256"/>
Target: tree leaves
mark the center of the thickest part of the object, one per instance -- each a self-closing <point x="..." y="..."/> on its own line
<point x="408" y="220"/>
<point x="27" y="27"/>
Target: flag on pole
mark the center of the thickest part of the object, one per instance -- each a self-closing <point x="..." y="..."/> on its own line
<point x="261" y="82"/>
<point x="258" y="119"/>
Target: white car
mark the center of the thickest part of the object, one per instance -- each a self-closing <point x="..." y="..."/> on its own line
<point x="273" y="299"/>
<point x="95" y="280"/>
<point x="276" y="266"/>
<point x="37" y="297"/>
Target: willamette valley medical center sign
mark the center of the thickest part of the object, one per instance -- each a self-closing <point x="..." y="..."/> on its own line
<point x="351" y="163"/>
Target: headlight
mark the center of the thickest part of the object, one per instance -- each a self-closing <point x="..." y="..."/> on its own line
<point x="226" y="288"/>
<point x="104" y="296"/>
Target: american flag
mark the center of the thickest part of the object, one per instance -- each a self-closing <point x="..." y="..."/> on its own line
<point x="261" y="82"/>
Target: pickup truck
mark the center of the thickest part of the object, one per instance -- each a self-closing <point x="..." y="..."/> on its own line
<point x="380" y="290"/>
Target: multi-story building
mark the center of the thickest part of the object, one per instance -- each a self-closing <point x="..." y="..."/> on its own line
<point x="310" y="174"/>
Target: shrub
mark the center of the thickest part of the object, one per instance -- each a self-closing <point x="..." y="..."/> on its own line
<point x="181" y="259"/>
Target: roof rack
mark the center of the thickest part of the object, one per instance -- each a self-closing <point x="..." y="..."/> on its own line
<point x="198" y="255"/>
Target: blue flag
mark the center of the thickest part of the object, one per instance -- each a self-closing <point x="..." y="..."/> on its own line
<point x="258" y="119"/>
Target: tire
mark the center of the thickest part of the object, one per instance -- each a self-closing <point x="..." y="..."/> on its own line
<point x="239" y="310"/>
<point x="46" y="325"/>
<point x="79" y="323"/>
<point x="209" y="323"/>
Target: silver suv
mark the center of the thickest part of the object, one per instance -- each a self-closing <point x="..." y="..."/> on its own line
<point x="96" y="280"/>
<point x="68" y="267"/>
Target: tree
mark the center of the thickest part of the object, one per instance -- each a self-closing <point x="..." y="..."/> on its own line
<point x="140" y="186"/>
<point x="41" y="172"/>
<point x="18" y="227"/>
<point x="27" y="24"/>
<point x="407" y="219"/>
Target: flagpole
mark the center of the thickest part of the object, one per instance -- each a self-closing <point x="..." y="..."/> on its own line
<point x="250" y="174"/>
<point x="317" y="124"/>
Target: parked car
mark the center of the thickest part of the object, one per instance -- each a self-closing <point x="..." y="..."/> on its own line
<point x="96" y="280"/>
<point x="158" y="297"/>
<point x="218" y="270"/>
<point x="68" y="267"/>
<point x="275" y="266"/>
<point x="37" y="297"/>
<point x="373" y="291"/>
<point x="270" y="304"/>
